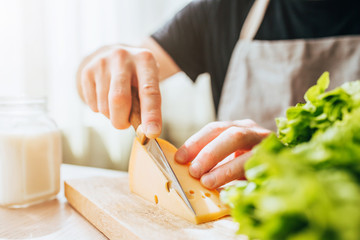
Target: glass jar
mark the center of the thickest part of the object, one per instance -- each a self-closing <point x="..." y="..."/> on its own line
<point x="30" y="152"/>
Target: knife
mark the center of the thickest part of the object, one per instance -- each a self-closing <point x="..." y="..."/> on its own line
<point x="153" y="148"/>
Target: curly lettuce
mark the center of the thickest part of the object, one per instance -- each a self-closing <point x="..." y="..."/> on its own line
<point x="321" y="110"/>
<point x="305" y="182"/>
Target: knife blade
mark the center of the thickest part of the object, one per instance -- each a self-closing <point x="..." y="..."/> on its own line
<point x="158" y="156"/>
<point x="153" y="148"/>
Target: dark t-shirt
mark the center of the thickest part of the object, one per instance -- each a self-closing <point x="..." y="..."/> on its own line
<point x="201" y="37"/>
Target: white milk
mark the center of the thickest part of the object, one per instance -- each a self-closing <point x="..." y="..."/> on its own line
<point x="29" y="167"/>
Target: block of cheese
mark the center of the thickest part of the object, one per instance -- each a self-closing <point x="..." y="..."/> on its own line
<point x="148" y="181"/>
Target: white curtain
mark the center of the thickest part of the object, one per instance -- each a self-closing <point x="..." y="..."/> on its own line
<point x="43" y="41"/>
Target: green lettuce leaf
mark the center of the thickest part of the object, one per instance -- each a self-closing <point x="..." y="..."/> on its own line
<point x="319" y="112"/>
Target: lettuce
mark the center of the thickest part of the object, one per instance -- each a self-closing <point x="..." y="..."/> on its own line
<point x="305" y="182"/>
<point x="319" y="112"/>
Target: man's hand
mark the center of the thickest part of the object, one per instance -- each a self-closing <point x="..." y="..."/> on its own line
<point x="105" y="79"/>
<point x="217" y="141"/>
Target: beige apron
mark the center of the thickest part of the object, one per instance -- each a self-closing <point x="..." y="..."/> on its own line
<point x="265" y="77"/>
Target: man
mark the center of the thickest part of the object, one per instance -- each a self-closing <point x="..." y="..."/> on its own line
<point x="262" y="55"/>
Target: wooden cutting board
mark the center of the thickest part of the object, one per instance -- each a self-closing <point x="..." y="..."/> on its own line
<point x="109" y="205"/>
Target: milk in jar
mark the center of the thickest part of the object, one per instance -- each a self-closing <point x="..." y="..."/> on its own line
<point x="30" y="153"/>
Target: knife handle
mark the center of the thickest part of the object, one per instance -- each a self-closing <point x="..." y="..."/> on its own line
<point x="135" y="116"/>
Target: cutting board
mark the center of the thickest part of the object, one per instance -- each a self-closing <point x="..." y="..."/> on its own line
<point x="108" y="204"/>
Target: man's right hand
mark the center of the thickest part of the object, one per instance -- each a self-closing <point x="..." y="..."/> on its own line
<point x="105" y="79"/>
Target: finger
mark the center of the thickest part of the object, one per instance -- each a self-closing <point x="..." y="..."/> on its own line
<point x="120" y="98"/>
<point x="88" y="88"/>
<point x="229" y="141"/>
<point x="199" y="140"/>
<point x="102" y="80"/>
<point x="248" y="123"/>
<point x="245" y="123"/>
<point x="149" y="94"/>
<point x="225" y="173"/>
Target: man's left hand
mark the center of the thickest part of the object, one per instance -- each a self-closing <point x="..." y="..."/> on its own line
<point x="219" y="151"/>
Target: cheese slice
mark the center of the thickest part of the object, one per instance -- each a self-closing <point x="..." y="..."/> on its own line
<point x="148" y="181"/>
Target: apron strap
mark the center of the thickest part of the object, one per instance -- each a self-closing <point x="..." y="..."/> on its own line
<point x="253" y="20"/>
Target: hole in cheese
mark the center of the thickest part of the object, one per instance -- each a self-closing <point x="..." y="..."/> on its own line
<point x="156" y="199"/>
<point x="167" y="185"/>
<point x="190" y="196"/>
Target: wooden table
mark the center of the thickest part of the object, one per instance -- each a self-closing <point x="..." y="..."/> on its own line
<point x="54" y="219"/>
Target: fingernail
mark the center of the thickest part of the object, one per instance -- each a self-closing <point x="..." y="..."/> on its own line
<point x="152" y="130"/>
<point x="208" y="180"/>
<point x="195" y="169"/>
<point x="181" y="155"/>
